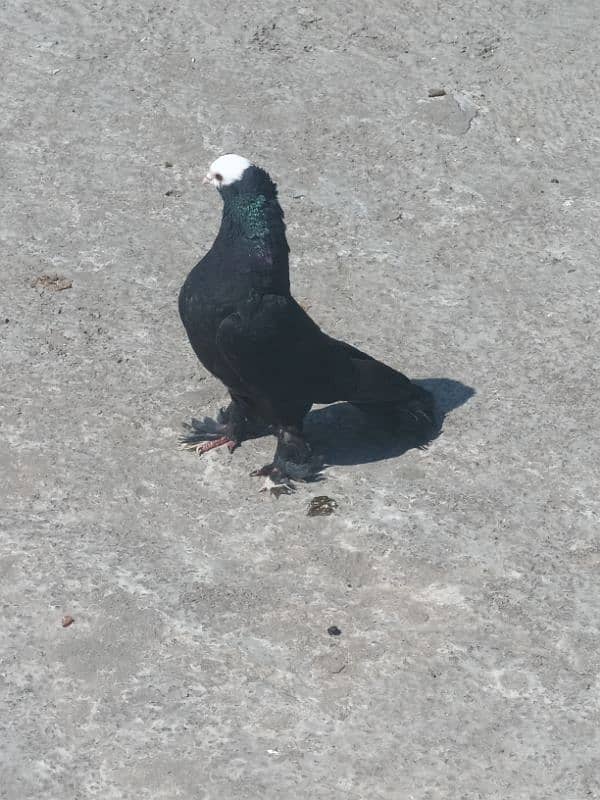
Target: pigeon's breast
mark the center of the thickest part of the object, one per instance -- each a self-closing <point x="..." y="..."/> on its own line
<point x="210" y="294"/>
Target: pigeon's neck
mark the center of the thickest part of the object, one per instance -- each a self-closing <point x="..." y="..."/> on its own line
<point x="255" y="223"/>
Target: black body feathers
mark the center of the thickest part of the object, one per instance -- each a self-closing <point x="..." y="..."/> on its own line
<point x="249" y="332"/>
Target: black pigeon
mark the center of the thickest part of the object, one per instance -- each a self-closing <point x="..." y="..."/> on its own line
<point x="248" y="331"/>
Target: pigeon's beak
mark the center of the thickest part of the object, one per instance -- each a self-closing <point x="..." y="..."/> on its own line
<point x="207" y="179"/>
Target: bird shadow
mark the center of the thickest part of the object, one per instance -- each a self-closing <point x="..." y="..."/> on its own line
<point x="343" y="435"/>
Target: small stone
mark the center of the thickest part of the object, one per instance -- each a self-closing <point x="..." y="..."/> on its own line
<point x="554" y="180"/>
<point x="168" y="164"/>
<point x="321" y="506"/>
<point x="67" y="620"/>
<point x="438" y="92"/>
<point x="53" y="283"/>
<point x="333" y="630"/>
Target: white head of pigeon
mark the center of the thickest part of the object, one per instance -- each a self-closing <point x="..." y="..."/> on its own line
<point x="226" y="170"/>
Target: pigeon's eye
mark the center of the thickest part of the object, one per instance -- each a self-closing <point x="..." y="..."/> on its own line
<point x="218" y="177"/>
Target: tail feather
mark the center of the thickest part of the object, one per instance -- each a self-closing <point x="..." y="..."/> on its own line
<point x="390" y="396"/>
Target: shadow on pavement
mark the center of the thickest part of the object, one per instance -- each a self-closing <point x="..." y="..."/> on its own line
<point x="343" y="435"/>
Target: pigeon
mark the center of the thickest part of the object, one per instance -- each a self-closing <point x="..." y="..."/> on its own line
<point x="249" y="332"/>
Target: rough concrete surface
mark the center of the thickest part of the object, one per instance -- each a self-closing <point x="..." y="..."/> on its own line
<point x="454" y="237"/>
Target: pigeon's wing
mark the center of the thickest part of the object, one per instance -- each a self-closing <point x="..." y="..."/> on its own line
<point x="285" y="363"/>
<point x="282" y="358"/>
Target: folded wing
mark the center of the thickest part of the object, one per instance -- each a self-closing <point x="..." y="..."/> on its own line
<point x="286" y="363"/>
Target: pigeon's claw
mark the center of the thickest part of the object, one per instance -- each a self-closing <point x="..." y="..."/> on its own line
<point x="266" y="470"/>
<point x="276" y="489"/>
<point x="294" y="461"/>
<point x="205" y="434"/>
<point x="204" y="447"/>
<point x="276" y="483"/>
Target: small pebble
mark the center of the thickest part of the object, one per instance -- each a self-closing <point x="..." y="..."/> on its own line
<point x="168" y="164"/>
<point x="554" y="180"/>
<point x="67" y="620"/>
<point x="436" y="92"/>
<point x="53" y="283"/>
<point x="321" y="506"/>
<point x="333" y="630"/>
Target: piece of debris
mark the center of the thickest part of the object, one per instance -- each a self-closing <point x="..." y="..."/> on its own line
<point x="488" y="47"/>
<point x="173" y="193"/>
<point x="67" y="620"/>
<point x="438" y="92"/>
<point x="54" y="283"/>
<point x="321" y="506"/>
<point x="333" y="630"/>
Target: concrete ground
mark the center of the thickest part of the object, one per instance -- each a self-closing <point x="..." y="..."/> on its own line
<point x="454" y="237"/>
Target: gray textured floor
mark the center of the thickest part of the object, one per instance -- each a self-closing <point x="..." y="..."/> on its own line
<point x="453" y="237"/>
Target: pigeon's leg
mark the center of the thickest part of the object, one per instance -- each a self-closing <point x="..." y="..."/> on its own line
<point x="233" y="425"/>
<point x="293" y="461"/>
<point x="242" y="419"/>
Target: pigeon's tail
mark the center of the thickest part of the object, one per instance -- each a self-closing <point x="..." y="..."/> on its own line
<point x="393" y="399"/>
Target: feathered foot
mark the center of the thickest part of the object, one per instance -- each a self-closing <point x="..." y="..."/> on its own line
<point x="293" y="461"/>
<point x="205" y="434"/>
<point x="232" y="426"/>
<point x="276" y="483"/>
